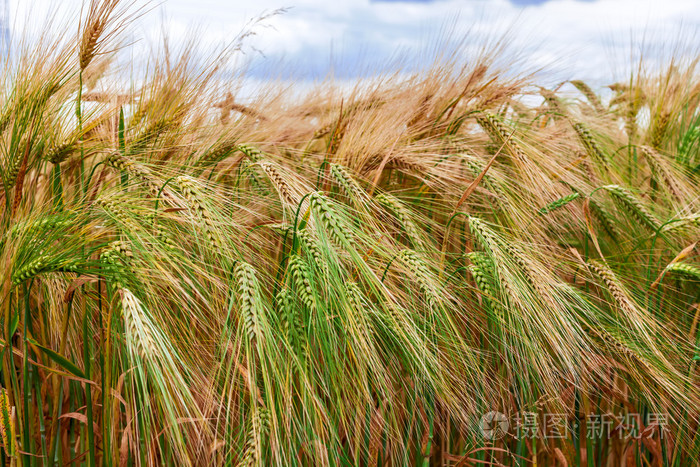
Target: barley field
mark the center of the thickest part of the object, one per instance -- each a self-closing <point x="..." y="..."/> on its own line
<point x="453" y="267"/>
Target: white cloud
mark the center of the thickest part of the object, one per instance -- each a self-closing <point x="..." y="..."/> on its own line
<point x="567" y="37"/>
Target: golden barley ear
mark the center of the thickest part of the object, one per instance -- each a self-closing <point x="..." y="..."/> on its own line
<point x="7" y="426"/>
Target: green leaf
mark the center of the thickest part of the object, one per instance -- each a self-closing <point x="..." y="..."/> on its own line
<point x="14" y="323"/>
<point x="62" y="361"/>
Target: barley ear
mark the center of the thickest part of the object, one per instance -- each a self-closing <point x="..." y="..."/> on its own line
<point x="7" y="425"/>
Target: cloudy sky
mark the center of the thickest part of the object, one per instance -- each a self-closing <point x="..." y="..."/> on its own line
<point x="349" y="38"/>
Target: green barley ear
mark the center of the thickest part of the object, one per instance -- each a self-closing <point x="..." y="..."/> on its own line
<point x="588" y="93"/>
<point x="629" y="203"/>
<point x="559" y="203"/>
<point x="59" y="153"/>
<point x="336" y="228"/>
<point x="688" y="270"/>
<point x="498" y="198"/>
<point x="614" y="287"/>
<point x="421" y="275"/>
<point x="500" y="133"/>
<point x="139" y="328"/>
<point x="115" y="259"/>
<point x="603" y="217"/>
<point x="42" y="264"/>
<point x="281" y="228"/>
<point x="301" y="278"/>
<point x="483" y="235"/>
<point x="682" y="225"/>
<point x="310" y="245"/>
<point x="348" y="183"/>
<point x="249" y="300"/>
<point x="217" y="153"/>
<point x="7" y="425"/>
<point x="149" y="135"/>
<point x="591" y="145"/>
<point x="291" y="320"/>
<point x="284" y="190"/>
<point x="661" y="172"/>
<point x="138" y="171"/>
<point x="689" y="141"/>
<point x="193" y="195"/>
<point x="483" y="271"/>
<point x="257" y="434"/>
<point x="404" y="217"/>
<point x="253" y="153"/>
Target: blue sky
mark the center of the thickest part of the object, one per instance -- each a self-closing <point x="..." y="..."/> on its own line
<point x="349" y="38"/>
